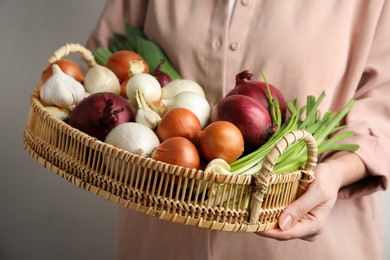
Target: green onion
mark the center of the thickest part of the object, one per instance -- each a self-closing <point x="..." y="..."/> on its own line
<point x="323" y="128"/>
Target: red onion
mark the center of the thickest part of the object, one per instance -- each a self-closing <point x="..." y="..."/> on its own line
<point x="162" y="77"/>
<point x="249" y="116"/>
<point x="258" y="91"/>
<point x="98" y="113"/>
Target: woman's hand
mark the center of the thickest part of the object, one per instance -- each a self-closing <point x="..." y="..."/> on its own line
<point x="306" y="217"/>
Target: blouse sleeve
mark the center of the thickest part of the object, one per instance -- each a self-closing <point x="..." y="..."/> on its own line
<point x="113" y="18"/>
<point x="370" y="116"/>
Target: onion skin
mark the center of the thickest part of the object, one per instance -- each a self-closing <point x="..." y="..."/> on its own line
<point x="258" y="91"/>
<point x="67" y="66"/>
<point x="249" y="116"/>
<point x="98" y="113"/>
<point x="178" y="122"/>
<point x="177" y="151"/>
<point x="118" y="62"/>
<point x="221" y="140"/>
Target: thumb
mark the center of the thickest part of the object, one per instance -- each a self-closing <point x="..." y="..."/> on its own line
<point x="298" y="209"/>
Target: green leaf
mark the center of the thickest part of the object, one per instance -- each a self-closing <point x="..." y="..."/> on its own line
<point x="101" y="55"/>
<point x="153" y="55"/>
<point x="132" y="33"/>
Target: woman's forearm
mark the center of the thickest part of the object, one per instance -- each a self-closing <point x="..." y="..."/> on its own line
<point x="347" y="168"/>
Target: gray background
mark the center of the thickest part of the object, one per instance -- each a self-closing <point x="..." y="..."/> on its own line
<point x="42" y="216"/>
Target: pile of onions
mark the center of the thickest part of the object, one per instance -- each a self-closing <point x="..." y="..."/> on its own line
<point x="249" y="116"/>
<point x="258" y="91"/>
<point x="98" y="113"/>
<point x="220" y="140"/>
<point x="178" y="122"/>
<point x="177" y="151"/>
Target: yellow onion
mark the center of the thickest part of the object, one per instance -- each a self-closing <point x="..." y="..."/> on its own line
<point x="177" y="151"/>
<point x="125" y="63"/>
<point x="178" y="122"/>
<point x="220" y="139"/>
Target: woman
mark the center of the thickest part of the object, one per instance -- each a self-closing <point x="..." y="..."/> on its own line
<point x="342" y="47"/>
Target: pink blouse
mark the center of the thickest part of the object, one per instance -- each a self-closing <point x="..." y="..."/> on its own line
<point x="342" y="47"/>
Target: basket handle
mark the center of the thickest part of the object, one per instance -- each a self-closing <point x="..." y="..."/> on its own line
<point x="69" y="48"/>
<point x="262" y="178"/>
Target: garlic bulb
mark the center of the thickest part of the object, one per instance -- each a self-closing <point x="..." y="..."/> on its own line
<point x="101" y="79"/>
<point x="145" y="115"/>
<point x="61" y="90"/>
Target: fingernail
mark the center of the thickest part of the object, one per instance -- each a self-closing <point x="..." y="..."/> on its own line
<point x="285" y="223"/>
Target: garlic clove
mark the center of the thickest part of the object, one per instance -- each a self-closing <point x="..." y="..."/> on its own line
<point x="61" y="90"/>
<point x="101" y="79"/>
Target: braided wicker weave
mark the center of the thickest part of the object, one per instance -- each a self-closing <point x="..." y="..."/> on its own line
<point x="244" y="203"/>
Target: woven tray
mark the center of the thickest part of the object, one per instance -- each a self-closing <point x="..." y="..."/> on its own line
<point x="244" y="203"/>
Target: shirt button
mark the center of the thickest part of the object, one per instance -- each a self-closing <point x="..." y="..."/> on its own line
<point x="234" y="46"/>
<point x="245" y="2"/>
<point x="217" y="44"/>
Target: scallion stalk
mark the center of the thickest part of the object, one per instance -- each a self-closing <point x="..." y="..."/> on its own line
<point x="325" y="129"/>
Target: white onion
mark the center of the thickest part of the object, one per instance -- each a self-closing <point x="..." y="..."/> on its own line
<point x="149" y="86"/>
<point x="176" y="86"/>
<point x="133" y="137"/>
<point x="192" y="101"/>
<point x="101" y="79"/>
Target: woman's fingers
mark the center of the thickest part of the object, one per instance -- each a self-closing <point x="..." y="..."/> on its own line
<point x="307" y="228"/>
<point x="299" y="208"/>
<point x="305" y="217"/>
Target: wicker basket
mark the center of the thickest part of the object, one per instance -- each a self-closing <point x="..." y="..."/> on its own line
<point x="244" y="203"/>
